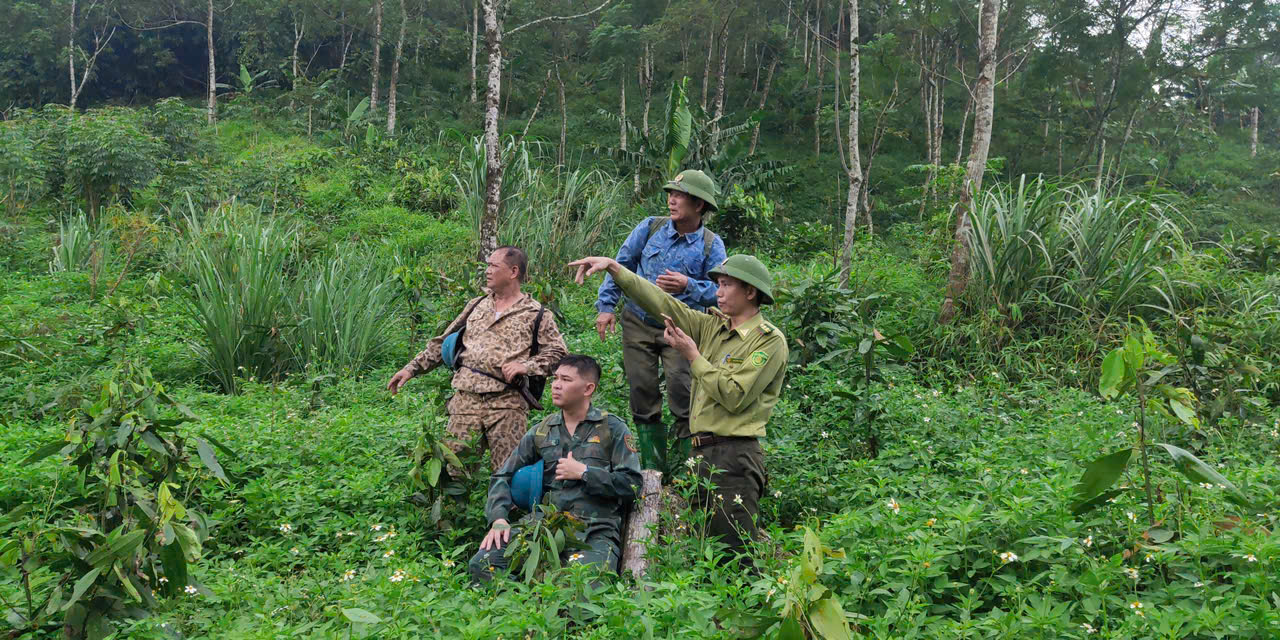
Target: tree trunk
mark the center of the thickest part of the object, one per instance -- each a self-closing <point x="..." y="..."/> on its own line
<point x="299" y="29"/>
<point x="719" y="112"/>
<point x="622" y="113"/>
<point x="646" y="79"/>
<point x="964" y="122"/>
<point x="395" y="71"/>
<point x="1253" y="132"/>
<point x="475" y="38"/>
<point x="706" y="69"/>
<point x="213" y="84"/>
<point x="71" y="56"/>
<point x="492" y="150"/>
<point x="984" y="110"/>
<point x="377" y="55"/>
<point x="347" y="37"/>
<point x="644" y="517"/>
<point x="854" y="168"/>
<point x="564" y="122"/>
<point x="768" y="81"/>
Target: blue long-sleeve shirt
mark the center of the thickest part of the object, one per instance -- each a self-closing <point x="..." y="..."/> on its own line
<point x="651" y="256"/>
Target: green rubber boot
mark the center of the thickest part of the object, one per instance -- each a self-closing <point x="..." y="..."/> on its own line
<point x="652" y="437"/>
<point x="681" y="450"/>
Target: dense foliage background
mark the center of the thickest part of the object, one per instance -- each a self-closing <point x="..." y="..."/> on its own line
<point x="198" y="315"/>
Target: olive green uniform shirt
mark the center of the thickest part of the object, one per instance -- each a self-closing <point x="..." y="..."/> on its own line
<point x="612" y="479"/>
<point x="737" y="378"/>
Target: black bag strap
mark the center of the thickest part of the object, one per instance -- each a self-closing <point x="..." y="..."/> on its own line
<point x="535" y="348"/>
<point x="707" y="237"/>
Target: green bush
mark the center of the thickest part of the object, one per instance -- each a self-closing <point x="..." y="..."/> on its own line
<point x="431" y="191"/>
<point x="238" y="294"/>
<point x="80" y="244"/>
<point x="109" y="154"/>
<point x="23" y="169"/>
<point x="341" y="309"/>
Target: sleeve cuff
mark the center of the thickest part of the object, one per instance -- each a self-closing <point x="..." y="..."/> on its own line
<point x="595" y="477"/>
<point x="500" y="514"/>
<point x="605" y="308"/>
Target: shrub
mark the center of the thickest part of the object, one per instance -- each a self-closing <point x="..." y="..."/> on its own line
<point x="80" y="245"/>
<point x="340" y="310"/>
<point x="109" y="154"/>
<point x="239" y="293"/>
<point x="22" y="167"/>
<point x="430" y="190"/>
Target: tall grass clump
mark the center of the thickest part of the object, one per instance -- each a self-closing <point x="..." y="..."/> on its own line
<point x="555" y="216"/>
<point x="238" y="293"/>
<point x="340" y="307"/>
<point x="1050" y="252"/>
<point x="78" y="242"/>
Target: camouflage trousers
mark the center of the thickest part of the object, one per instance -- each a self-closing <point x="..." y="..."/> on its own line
<point x="496" y="420"/>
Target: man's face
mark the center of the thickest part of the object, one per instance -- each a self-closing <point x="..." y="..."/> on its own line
<point x="733" y="295"/>
<point x="497" y="273"/>
<point x="682" y="206"/>
<point x="569" y="388"/>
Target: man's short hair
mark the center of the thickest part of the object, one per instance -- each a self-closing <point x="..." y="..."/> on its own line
<point x="516" y="257"/>
<point x="585" y="365"/>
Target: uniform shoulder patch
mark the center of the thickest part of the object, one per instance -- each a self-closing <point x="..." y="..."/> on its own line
<point x="766" y="328"/>
<point x="630" y="441"/>
<point x="759" y="358"/>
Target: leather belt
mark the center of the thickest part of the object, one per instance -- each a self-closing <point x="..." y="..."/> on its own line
<point x="707" y="439"/>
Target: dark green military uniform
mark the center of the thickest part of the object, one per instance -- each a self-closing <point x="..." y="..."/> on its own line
<point x="612" y="480"/>
<point x="737" y="380"/>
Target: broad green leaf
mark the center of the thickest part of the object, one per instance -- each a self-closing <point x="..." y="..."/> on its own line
<point x="828" y="620"/>
<point x="790" y="630"/>
<point x="1095" y="502"/>
<point x="1160" y="536"/>
<point x="531" y="565"/>
<point x="190" y="543"/>
<point x="1113" y="374"/>
<point x="361" y="616"/>
<point x="1185" y="414"/>
<point x="82" y="585"/>
<point x="1199" y="472"/>
<point x="175" y="566"/>
<point x="1103" y="472"/>
<point x="44" y="451"/>
<point x="128" y="586"/>
<point x="210" y="460"/>
<point x="154" y="442"/>
<point x="433" y="471"/>
<point x="126" y="544"/>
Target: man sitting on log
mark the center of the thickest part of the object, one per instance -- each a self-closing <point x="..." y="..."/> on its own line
<point x="590" y="468"/>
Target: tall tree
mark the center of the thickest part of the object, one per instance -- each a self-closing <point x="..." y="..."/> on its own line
<point x="853" y="166"/>
<point x="98" y="15"/>
<point x="166" y="14"/>
<point x="395" y="70"/>
<point x="377" y="55"/>
<point x="984" y="111"/>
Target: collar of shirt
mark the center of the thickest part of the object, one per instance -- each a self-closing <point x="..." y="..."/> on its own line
<point x="689" y="238"/>
<point x="523" y="301"/>
<point x="593" y="415"/>
<point x="743" y="329"/>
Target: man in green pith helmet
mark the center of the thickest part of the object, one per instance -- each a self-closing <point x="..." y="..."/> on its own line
<point x="676" y="253"/>
<point x="738" y="360"/>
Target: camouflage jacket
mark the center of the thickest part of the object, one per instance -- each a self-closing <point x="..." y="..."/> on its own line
<point x="612" y="480"/>
<point x="492" y="341"/>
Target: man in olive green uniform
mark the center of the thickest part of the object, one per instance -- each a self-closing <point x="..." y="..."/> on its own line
<point x="591" y="469"/>
<point x="738" y="361"/>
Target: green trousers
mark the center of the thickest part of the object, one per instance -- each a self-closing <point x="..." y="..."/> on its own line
<point x="646" y="360"/>
<point x="736" y="470"/>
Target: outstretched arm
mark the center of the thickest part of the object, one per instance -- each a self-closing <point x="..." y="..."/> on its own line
<point x="644" y="293"/>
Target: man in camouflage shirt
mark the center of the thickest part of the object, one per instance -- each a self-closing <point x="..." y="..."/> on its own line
<point x="496" y="347"/>
<point x="591" y="469"/>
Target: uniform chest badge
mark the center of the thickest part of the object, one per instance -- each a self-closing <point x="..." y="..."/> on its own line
<point x="593" y="440"/>
<point x="759" y="358"/>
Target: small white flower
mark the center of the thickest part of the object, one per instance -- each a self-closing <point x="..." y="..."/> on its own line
<point x="1275" y="433"/>
<point x="935" y="393"/>
<point x="389" y="553"/>
<point x="927" y="418"/>
<point x="1079" y="414"/>
<point x="1198" y="585"/>
<point x="1251" y="558"/>
<point x="691" y="463"/>
<point x="1119" y="412"/>
<point x="893" y="505"/>
<point x="294" y="551"/>
<point x="1008" y="556"/>
<point x="1133" y="517"/>
<point x="576" y="557"/>
<point x="1132" y="573"/>
<point x="348" y="575"/>
<point x="376" y="527"/>
<point x="286" y="528"/>
<point x="163" y="580"/>
<point x="397" y="576"/>
<point x="769" y="596"/>
<point x="448" y="563"/>
<point x="1088" y="628"/>
<point x="825" y="435"/>
<point x="1088" y="542"/>
<point x="190" y="590"/>
<point x="1134" y="425"/>
<point x="737" y="499"/>
<point x="1023" y="471"/>
<point x="777" y="493"/>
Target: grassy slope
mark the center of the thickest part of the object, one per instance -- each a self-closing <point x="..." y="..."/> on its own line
<point x="976" y="470"/>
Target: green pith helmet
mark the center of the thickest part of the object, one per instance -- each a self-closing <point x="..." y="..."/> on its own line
<point x="696" y="184"/>
<point x="749" y="270"/>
